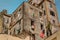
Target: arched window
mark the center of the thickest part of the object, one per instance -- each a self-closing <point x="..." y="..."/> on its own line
<point x="52" y="13"/>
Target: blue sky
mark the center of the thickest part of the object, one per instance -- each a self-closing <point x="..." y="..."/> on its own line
<point x="58" y="7"/>
<point x="11" y="5"/>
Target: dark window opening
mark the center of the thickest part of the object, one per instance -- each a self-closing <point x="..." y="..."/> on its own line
<point x="32" y="22"/>
<point x="34" y="4"/>
<point x="14" y="30"/>
<point x="20" y="9"/>
<point x="52" y="13"/>
<point x="44" y="12"/>
<point x="49" y="32"/>
<point x="38" y="5"/>
<point x="41" y="6"/>
<point x="40" y="14"/>
<point x="31" y="8"/>
<point x="53" y="21"/>
<point x="41" y="26"/>
<point x="18" y="31"/>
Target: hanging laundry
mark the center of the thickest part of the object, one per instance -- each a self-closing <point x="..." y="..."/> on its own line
<point x="42" y="35"/>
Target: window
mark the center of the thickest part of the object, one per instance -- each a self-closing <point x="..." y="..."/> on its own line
<point x="50" y="5"/>
<point x="38" y="5"/>
<point x="34" y="4"/>
<point x="32" y="22"/>
<point x="6" y="20"/>
<point x="32" y="25"/>
<point x="44" y="12"/>
<point x="40" y="14"/>
<point x="44" y="31"/>
<point x="49" y="32"/>
<point x="18" y="31"/>
<point x="41" y="6"/>
<point x="20" y="9"/>
<point x="15" y="15"/>
<point x="41" y="26"/>
<point x="52" y="13"/>
<point x="53" y="21"/>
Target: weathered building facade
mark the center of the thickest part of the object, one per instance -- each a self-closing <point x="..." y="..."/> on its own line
<point x="6" y="21"/>
<point x="36" y="18"/>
